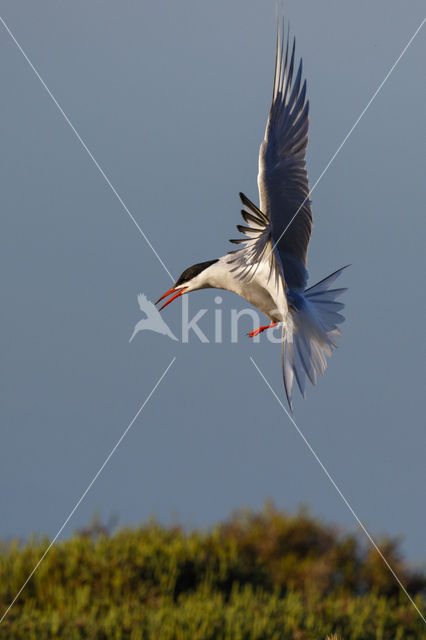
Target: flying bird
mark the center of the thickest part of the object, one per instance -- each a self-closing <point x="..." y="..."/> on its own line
<point x="153" y="320"/>
<point x="269" y="267"/>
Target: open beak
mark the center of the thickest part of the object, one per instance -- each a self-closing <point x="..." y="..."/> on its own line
<point x="176" y="291"/>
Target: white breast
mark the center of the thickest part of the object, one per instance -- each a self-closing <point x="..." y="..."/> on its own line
<point x="262" y="291"/>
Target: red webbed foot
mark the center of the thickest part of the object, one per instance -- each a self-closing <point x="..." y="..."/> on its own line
<point x="261" y="329"/>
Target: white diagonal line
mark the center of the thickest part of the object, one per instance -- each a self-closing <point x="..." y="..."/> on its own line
<point x="86" y="148"/>
<point x="338" y="490"/>
<point x="355" y="124"/>
<point x="86" y="491"/>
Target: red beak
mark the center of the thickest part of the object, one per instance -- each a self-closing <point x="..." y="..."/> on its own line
<point x="178" y="292"/>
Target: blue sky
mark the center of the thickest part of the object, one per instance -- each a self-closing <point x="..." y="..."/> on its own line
<point x="172" y="100"/>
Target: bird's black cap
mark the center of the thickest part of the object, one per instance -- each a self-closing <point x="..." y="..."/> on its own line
<point x="193" y="271"/>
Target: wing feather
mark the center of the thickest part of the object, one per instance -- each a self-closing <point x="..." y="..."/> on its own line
<point x="282" y="179"/>
<point x="279" y="230"/>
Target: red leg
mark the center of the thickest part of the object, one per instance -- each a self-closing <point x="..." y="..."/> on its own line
<point x="261" y="329"/>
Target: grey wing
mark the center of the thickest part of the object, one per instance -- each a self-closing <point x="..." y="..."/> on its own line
<point x="278" y="232"/>
<point x="282" y="179"/>
<point x="258" y="246"/>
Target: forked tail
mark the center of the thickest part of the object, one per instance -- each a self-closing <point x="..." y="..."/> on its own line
<point x="309" y="336"/>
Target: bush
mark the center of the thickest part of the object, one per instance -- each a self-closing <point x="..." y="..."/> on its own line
<point x="266" y="575"/>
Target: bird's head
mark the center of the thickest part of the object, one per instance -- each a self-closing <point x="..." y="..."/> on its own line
<point x="191" y="279"/>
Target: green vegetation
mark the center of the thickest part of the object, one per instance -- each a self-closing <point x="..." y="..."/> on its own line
<point x="263" y="576"/>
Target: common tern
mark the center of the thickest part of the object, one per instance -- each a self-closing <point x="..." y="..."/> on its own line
<point x="269" y="268"/>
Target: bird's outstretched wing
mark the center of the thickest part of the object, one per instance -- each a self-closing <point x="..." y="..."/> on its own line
<point x="280" y="229"/>
<point x="257" y="243"/>
<point x="282" y="179"/>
